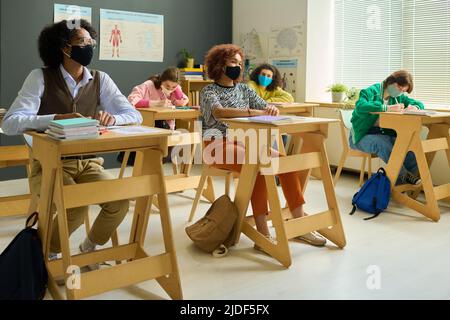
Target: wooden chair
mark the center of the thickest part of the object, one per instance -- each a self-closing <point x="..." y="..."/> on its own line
<point x="345" y="116"/>
<point x="207" y="173"/>
<point x="12" y="156"/>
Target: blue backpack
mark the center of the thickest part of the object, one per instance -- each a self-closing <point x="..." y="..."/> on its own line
<point x="374" y="195"/>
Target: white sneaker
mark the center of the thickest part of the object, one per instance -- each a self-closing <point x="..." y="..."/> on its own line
<point x="258" y="248"/>
<point x="313" y="239"/>
<point x="92" y="267"/>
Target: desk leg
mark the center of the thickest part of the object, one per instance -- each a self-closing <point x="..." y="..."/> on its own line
<point x="143" y="205"/>
<point x="439" y="131"/>
<point x="336" y="233"/>
<point x="398" y="154"/>
<point x="316" y="143"/>
<point x="63" y="229"/>
<point x="431" y="208"/>
<point x="171" y="284"/>
<point x="45" y="208"/>
<point x="243" y="195"/>
<point x="299" y="146"/>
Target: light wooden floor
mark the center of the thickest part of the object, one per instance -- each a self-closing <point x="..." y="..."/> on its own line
<point x="411" y="252"/>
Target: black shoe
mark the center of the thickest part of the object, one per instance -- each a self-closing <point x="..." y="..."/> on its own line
<point x="409" y="178"/>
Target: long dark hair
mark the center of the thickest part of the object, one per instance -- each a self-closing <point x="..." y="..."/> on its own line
<point x="276" y="79"/>
<point x="402" y="78"/>
<point x="170" y="74"/>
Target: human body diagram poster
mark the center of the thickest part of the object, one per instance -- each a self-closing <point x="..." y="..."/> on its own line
<point x="131" y="36"/>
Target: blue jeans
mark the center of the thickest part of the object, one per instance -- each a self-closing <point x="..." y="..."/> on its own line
<point x="381" y="145"/>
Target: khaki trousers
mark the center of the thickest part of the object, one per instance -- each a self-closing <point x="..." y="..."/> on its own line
<point x="84" y="171"/>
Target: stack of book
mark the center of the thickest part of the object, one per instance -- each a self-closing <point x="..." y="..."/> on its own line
<point x="191" y="74"/>
<point x="73" y="129"/>
<point x="2" y="114"/>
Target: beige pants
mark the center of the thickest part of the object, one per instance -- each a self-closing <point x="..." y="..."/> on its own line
<point x="84" y="171"/>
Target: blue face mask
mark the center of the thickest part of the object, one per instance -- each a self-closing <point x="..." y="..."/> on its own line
<point x="393" y="91"/>
<point x="264" y="81"/>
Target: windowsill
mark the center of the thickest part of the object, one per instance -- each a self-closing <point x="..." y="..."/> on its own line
<point x="346" y="105"/>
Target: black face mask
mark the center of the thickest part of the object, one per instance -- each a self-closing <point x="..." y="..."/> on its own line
<point x="82" y="55"/>
<point x="233" y="72"/>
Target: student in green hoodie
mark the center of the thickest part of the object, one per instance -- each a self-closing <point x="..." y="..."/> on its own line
<point x="366" y="134"/>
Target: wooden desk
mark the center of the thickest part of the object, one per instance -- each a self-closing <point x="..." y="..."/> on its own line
<point x="192" y="89"/>
<point x="11" y="156"/>
<point x="181" y="180"/>
<point x="308" y="153"/>
<point x="147" y="183"/>
<point x="351" y="105"/>
<point x="408" y="129"/>
<point x="150" y="115"/>
<point x="297" y="109"/>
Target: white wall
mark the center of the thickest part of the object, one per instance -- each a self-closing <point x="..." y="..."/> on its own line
<point x="262" y="15"/>
<point x="320" y="50"/>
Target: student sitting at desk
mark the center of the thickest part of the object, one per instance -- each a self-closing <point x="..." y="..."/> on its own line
<point x="66" y="89"/>
<point x="366" y="134"/>
<point x="228" y="98"/>
<point x="266" y="81"/>
<point x="160" y="91"/>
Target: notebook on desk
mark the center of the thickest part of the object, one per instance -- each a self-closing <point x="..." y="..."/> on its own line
<point x="281" y="104"/>
<point x="271" y="119"/>
<point x="427" y="113"/>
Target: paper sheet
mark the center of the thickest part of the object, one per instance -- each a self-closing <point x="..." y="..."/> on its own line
<point x="131" y="130"/>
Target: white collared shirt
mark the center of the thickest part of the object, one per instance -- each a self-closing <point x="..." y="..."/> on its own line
<point x="22" y="115"/>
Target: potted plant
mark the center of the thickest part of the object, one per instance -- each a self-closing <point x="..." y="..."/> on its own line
<point x="352" y="97"/>
<point x="338" y="92"/>
<point x="187" y="57"/>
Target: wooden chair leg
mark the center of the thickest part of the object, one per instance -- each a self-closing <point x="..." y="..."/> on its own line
<point x="124" y="164"/>
<point x="363" y="171"/>
<point x="369" y="167"/>
<point x="208" y="192"/>
<point x="87" y="223"/>
<point x="228" y="179"/>
<point x="339" y="169"/>
<point x="198" y="194"/>
<point x="115" y="242"/>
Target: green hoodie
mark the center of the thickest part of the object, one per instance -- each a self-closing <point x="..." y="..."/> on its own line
<point x="371" y="100"/>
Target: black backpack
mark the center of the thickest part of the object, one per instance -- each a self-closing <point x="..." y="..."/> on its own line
<point x="23" y="275"/>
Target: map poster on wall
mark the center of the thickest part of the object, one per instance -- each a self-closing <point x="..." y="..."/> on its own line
<point x="287" y="42"/>
<point x="289" y="71"/>
<point x="131" y="36"/>
<point x="71" y="12"/>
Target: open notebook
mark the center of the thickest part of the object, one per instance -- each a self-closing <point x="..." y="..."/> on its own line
<point x="428" y="113"/>
<point x="271" y="119"/>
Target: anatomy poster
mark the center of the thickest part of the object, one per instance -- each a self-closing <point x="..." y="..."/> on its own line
<point x="69" y="12"/>
<point x="131" y="36"/>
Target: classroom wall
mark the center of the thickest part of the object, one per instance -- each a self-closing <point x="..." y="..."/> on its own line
<point x="195" y="24"/>
<point x="262" y="15"/>
<point x="320" y="50"/>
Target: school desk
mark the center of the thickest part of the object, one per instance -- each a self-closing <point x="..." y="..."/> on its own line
<point x="146" y="183"/>
<point x="408" y="128"/>
<point x="309" y="152"/>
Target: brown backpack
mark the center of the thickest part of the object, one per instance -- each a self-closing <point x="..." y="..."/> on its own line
<point x="215" y="232"/>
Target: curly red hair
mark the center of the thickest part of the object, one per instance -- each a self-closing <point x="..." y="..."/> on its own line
<point x="217" y="57"/>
